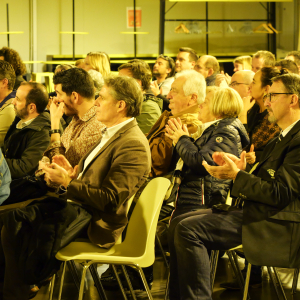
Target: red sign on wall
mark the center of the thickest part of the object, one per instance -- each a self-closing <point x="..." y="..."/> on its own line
<point x="130" y="17"/>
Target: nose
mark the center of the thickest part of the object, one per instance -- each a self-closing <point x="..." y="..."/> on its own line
<point x="14" y="101"/>
<point x="169" y="95"/>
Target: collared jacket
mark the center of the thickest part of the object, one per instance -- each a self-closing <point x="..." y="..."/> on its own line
<point x="24" y="148"/>
<point x="161" y="146"/>
<point x="271" y="211"/>
<point x="112" y="177"/>
<point x="227" y="135"/>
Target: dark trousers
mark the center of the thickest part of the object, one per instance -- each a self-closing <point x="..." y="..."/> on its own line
<point x="191" y="234"/>
<point x="14" y="287"/>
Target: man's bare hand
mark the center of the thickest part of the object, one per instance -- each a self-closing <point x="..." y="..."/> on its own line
<point x="250" y="156"/>
<point x="56" y="174"/>
<point x="61" y="161"/>
<point x="155" y="89"/>
<point x="239" y="162"/>
<point x="175" y="129"/>
<point x="56" y="110"/>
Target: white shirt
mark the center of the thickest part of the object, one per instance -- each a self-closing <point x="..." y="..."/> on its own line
<point x="286" y="131"/>
<point x="110" y="132"/>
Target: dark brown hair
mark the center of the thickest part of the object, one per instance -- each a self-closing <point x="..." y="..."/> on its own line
<point x="192" y="53"/>
<point x="7" y="71"/>
<point x="13" y="57"/>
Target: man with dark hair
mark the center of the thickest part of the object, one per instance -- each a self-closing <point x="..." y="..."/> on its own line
<point x="28" y="136"/>
<point x="108" y="176"/>
<point x="186" y="59"/>
<point x="163" y="71"/>
<point x="208" y="66"/>
<point x="151" y="106"/>
<point x="294" y="56"/>
<point x="269" y="198"/>
<point x="262" y="59"/>
<point x="7" y="112"/>
<point x="75" y="97"/>
<point x="288" y="64"/>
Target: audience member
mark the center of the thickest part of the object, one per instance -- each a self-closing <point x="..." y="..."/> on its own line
<point x="13" y="57"/>
<point x="7" y="112"/>
<point x="98" y="81"/>
<point x="242" y="63"/>
<point x="98" y="61"/>
<point x="151" y="106"/>
<point x="288" y="64"/>
<point x="221" y="130"/>
<point x="5" y="179"/>
<point x="240" y="81"/>
<point x="188" y="91"/>
<point x="294" y="56"/>
<point x="163" y="71"/>
<point x="80" y="63"/>
<point x="28" y="136"/>
<point x="208" y="66"/>
<point x="260" y="129"/>
<point x="270" y="196"/>
<point x="186" y="59"/>
<point x="262" y="59"/>
<point x="107" y="177"/>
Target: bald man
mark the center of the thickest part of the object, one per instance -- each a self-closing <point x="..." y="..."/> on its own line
<point x="208" y="66"/>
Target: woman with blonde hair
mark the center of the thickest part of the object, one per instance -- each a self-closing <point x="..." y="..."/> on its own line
<point x="221" y="131"/>
<point x="242" y="63"/>
<point x="98" y="61"/>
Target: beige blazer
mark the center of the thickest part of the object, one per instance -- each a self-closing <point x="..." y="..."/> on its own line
<point x="115" y="174"/>
<point x="7" y="116"/>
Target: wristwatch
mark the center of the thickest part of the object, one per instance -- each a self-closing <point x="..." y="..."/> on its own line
<point x="52" y="131"/>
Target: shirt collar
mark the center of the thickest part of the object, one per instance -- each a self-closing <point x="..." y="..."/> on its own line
<point x="112" y="130"/>
<point x="22" y="124"/>
<point x="286" y="131"/>
<point x="88" y="115"/>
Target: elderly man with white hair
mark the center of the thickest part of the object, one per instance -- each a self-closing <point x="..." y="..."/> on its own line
<point x="187" y="92"/>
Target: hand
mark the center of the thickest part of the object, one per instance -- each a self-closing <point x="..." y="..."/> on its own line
<point x="220" y="79"/>
<point x="175" y="129"/>
<point x="240" y="162"/>
<point x="227" y="79"/>
<point x="61" y="161"/>
<point x="56" y="174"/>
<point x="228" y="169"/>
<point x="250" y="156"/>
<point x="155" y="89"/>
<point x="56" y="110"/>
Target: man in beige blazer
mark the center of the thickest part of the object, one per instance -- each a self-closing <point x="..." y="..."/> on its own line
<point x="110" y="173"/>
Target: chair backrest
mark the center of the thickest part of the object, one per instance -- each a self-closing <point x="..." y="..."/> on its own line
<point x="140" y="235"/>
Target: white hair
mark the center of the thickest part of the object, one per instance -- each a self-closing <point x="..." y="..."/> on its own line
<point x="97" y="79"/>
<point x="247" y="75"/>
<point x="194" y="84"/>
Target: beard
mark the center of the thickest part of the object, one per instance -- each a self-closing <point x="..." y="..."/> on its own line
<point x="70" y="111"/>
<point x="22" y="113"/>
<point x="272" y="119"/>
<point x="156" y="73"/>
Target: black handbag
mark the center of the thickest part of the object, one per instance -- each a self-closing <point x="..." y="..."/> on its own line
<point x="25" y="188"/>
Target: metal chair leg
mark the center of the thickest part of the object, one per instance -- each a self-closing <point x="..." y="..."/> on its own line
<point x="145" y="282"/>
<point x="97" y="281"/>
<point x="280" y="283"/>
<point x="213" y="267"/>
<point x="62" y="280"/>
<point x="128" y="282"/>
<point x="119" y="282"/>
<point x="295" y="281"/>
<point x="52" y="287"/>
<point x="245" y="296"/>
<point x="274" y="282"/>
<point x="81" y="289"/>
<point x="236" y="270"/>
<point x="167" y="286"/>
<point x="162" y="250"/>
<point x="74" y="272"/>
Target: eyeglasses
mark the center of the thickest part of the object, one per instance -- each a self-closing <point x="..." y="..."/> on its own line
<point x="271" y="96"/>
<point x="233" y="84"/>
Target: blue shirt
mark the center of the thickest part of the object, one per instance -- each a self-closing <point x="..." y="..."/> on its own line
<point x="5" y="179"/>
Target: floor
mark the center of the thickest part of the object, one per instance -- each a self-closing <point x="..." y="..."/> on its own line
<point x="224" y="273"/>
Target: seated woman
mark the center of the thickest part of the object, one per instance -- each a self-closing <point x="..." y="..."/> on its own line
<point x="98" y="61"/>
<point x="221" y="131"/>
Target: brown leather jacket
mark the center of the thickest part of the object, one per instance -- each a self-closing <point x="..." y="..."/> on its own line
<point x="161" y="146"/>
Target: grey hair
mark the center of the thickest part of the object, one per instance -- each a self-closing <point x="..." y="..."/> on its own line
<point x="247" y="75"/>
<point x="194" y="84"/>
<point x="97" y="79"/>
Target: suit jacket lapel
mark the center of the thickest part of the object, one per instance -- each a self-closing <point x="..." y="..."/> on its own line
<point x="275" y="146"/>
<point x="111" y="140"/>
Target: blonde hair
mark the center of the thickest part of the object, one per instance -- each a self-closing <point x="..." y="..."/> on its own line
<point x="100" y="62"/>
<point x="226" y="102"/>
<point x="246" y="61"/>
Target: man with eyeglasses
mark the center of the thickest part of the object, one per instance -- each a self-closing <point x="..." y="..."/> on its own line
<point x="208" y="66"/>
<point x="268" y="224"/>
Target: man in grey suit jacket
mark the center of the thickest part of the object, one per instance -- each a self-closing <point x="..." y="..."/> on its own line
<point x="270" y="219"/>
<point x="110" y="173"/>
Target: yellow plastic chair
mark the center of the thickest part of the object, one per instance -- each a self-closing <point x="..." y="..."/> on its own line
<point x="136" y="250"/>
<point x="48" y="79"/>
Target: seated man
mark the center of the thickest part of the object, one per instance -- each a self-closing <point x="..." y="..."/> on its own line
<point x="28" y="136"/>
<point x="271" y="203"/>
<point x="186" y="59"/>
<point x="5" y="179"/>
<point x="107" y="176"/>
<point x="184" y="105"/>
<point x="262" y="59"/>
<point x="208" y="66"/>
<point x="151" y="106"/>
<point x="7" y="112"/>
<point x="294" y="56"/>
